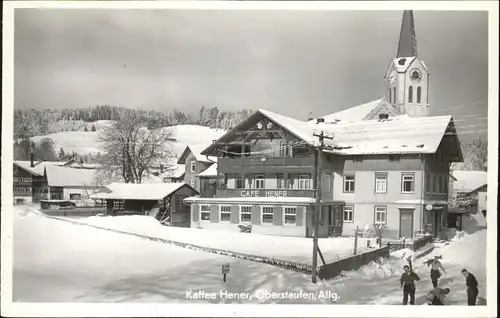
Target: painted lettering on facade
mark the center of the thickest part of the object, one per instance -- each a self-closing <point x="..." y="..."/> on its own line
<point x="266" y="193"/>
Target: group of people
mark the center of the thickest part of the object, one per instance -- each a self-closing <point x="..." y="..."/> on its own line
<point x="437" y="295"/>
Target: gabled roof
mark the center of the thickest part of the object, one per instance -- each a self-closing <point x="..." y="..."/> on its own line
<point x="138" y="191"/>
<point x="196" y="150"/>
<point x="397" y="135"/>
<point x="39" y="166"/>
<point x="357" y="113"/>
<point x="469" y="180"/>
<point x="58" y="176"/>
<point x="209" y="172"/>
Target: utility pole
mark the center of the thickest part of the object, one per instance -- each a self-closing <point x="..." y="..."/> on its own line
<point x="317" y="210"/>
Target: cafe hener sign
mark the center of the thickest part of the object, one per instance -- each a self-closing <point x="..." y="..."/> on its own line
<point x="264" y="193"/>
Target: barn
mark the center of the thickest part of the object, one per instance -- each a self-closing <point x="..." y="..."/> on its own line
<point x="164" y="201"/>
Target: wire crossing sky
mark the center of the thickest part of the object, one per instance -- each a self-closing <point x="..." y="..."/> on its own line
<point x="289" y="62"/>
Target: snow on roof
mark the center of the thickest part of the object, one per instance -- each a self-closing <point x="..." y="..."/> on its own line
<point x="58" y="176"/>
<point x="469" y="180"/>
<point x="398" y="135"/>
<point x="137" y="191"/>
<point x="39" y="166"/>
<point x="402" y="63"/>
<point x="301" y="129"/>
<point x="209" y="172"/>
<point x="355" y="113"/>
<point x="197" y="149"/>
<point x="176" y="171"/>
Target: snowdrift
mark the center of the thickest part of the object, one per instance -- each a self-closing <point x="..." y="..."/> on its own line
<point x="56" y="261"/>
<point x="256" y="244"/>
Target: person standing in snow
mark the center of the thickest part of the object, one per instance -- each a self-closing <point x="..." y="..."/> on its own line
<point x="472" y="287"/>
<point x="436" y="296"/>
<point x="435" y="265"/>
<point x="408" y="284"/>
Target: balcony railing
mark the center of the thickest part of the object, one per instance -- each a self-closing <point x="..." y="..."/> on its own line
<point x="264" y="193"/>
<point x="276" y="164"/>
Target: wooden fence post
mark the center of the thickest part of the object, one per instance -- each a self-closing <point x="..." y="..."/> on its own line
<point x="356" y="241"/>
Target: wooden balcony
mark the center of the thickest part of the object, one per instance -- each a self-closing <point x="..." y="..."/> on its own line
<point x="263" y="193"/>
<point x="263" y="165"/>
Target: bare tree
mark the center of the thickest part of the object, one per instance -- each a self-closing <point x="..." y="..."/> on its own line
<point x="131" y="150"/>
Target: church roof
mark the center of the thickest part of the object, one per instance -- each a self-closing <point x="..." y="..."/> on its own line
<point x="407" y="38"/>
<point x="356" y="113"/>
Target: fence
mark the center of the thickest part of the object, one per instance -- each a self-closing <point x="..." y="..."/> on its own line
<point x="331" y="270"/>
<point x="78" y="211"/>
<point x="415" y="245"/>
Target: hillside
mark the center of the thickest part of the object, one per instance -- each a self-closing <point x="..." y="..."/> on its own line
<point x="85" y="142"/>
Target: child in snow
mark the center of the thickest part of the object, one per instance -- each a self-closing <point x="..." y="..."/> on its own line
<point x="472" y="287"/>
<point x="436" y="296"/>
<point x="435" y="265"/>
<point x="408" y="284"/>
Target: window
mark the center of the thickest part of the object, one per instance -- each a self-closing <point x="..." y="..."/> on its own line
<point x="239" y="182"/>
<point x="440" y="184"/>
<point x="380" y="214"/>
<point x="410" y="94"/>
<point x="290" y="215"/>
<point x="381" y="182"/>
<point x="286" y="150"/>
<point x="75" y="196"/>
<point x="193" y="165"/>
<point x="304" y="181"/>
<point x="327" y="181"/>
<point x="259" y="181"/>
<point x="22" y="179"/>
<point x="390" y="95"/>
<point x="246" y="213"/>
<point x="395" y="100"/>
<point x="348" y="213"/>
<point x="267" y="215"/>
<point x="419" y="95"/>
<point x="394" y="157"/>
<point x="21" y="189"/>
<point x="280" y="182"/>
<point x="446" y="180"/>
<point x="357" y="158"/>
<point x="192" y="182"/>
<point x="349" y="183"/>
<point x="428" y="183"/>
<point x="225" y="213"/>
<point x="408" y="183"/>
<point x="205" y="212"/>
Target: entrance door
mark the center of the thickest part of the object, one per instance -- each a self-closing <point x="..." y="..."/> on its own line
<point x="406" y="223"/>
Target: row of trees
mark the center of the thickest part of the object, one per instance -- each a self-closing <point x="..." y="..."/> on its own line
<point x="33" y="122"/>
<point x="46" y="150"/>
<point x="475" y="155"/>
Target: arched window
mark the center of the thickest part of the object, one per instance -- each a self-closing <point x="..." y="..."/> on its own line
<point x="419" y="94"/>
<point x="410" y="94"/>
<point x="390" y="95"/>
<point x="394" y="95"/>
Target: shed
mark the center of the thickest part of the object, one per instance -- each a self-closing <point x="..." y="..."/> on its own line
<point x="165" y="201"/>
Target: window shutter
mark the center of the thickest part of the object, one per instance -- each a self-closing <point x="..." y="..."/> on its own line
<point x="214" y="213"/>
<point x="255" y="215"/>
<point x="278" y="215"/>
<point x="234" y="213"/>
<point x="195" y="212"/>
<point x="299" y="219"/>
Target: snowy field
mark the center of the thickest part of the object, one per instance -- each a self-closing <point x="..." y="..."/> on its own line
<point x="55" y="261"/>
<point x="298" y="249"/>
<point x="84" y="142"/>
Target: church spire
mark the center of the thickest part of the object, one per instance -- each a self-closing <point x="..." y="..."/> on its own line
<point x="407" y="39"/>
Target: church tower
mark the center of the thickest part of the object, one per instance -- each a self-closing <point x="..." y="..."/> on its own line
<point x="407" y="78"/>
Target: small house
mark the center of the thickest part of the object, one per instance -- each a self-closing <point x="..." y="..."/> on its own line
<point x="143" y="199"/>
<point x="195" y="163"/>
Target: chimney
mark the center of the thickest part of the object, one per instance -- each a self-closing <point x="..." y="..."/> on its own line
<point x="320" y="120"/>
<point x="32" y="159"/>
<point x="310" y="117"/>
<point x="383" y="117"/>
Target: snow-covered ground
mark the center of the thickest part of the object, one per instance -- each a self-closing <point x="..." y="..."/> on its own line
<point x="84" y="142"/>
<point x="297" y="249"/>
<point x="56" y="261"/>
